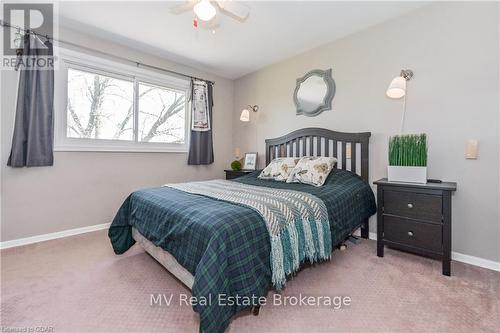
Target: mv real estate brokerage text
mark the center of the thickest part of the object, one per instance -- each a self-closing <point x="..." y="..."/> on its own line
<point x="336" y="302"/>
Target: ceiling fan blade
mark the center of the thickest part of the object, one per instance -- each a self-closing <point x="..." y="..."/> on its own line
<point x="179" y="7"/>
<point x="237" y="10"/>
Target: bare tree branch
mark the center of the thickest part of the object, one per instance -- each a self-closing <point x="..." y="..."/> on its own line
<point x="130" y="113"/>
<point x="96" y="91"/>
<point x="74" y="130"/>
<point x="173" y="109"/>
<point x="78" y="124"/>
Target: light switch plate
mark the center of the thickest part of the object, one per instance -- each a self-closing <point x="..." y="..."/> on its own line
<point x="471" y="148"/>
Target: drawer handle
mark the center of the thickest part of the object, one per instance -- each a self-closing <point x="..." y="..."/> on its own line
<point x="410" y="233"/>
<point x="410" y="205"/>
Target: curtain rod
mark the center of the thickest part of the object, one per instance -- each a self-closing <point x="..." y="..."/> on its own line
<point x="138" y="63"/>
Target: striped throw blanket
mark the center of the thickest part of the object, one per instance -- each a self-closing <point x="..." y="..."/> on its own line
<point x="297" y="222"/>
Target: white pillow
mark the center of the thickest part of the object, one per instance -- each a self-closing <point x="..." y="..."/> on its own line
<point x="279" y="169"/>
<point x="312" y="170"/>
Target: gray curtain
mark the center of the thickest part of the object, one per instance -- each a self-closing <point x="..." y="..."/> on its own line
<point x="32" y="142"/>
<point x="201" y="150"/>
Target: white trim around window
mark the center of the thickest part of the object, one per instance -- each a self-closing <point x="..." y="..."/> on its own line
<point x="82" y="61"/>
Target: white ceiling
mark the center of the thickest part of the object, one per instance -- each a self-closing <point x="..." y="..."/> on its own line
<point x="274" y="30"/>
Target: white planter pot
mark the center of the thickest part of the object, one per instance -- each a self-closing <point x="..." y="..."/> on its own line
<point x="407" y="174"/>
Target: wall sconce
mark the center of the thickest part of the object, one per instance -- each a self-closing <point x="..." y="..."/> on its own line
<point x="245" y="113"/>
<point x="397" y="89"/>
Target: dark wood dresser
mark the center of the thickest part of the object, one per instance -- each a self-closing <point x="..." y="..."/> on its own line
<point x="415" y="218"/>
<point x="232" y="174"/>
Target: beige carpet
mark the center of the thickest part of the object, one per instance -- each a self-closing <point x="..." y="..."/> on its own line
<point x="77" y="284"/>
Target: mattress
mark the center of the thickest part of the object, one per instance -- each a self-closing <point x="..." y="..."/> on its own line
<point x="165" y="259"/>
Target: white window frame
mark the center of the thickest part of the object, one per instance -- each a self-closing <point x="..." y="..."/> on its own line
<point x="82" y="61"/>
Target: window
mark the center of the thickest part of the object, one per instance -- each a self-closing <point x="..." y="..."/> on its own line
<point x="161" y="114"/>
<point x="99" y="106"/>
<point x="107" y="106"/>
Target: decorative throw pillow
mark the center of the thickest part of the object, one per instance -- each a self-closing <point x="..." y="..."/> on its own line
<point x="279" y="169"/>
<point x="312" y="170"/>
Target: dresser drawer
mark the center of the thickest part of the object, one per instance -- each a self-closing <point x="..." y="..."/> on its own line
<point x="413" y="233"/>
<point x="233" y="174"/>
<point x="414" y="205"/>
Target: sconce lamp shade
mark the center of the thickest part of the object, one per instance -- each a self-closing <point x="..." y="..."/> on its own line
<point x="397" y="88"/>
<point x="245" y="115"/>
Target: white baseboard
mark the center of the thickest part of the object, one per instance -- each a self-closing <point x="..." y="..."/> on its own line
<point x="465" y="258"/>
<point x="53" y="235"/>
<point x="476" y="261"/>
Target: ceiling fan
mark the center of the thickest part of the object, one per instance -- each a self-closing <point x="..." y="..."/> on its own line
<point x="208" y="12"/>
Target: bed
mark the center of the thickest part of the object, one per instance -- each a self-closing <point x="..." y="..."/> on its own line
<point x="216" y="247"/>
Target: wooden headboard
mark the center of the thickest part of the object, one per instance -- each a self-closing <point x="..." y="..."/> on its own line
<point x="324" y="142"/>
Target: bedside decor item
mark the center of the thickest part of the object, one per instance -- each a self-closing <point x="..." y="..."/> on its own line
<point x="237" y="153"/>
<point x="236" y="165"/>
<point x="397" y="89"/>
<point x="408" y="158"/>
<point x="245" y="113"/>
<point x="415" y="218"/>
<point x="314" y="92"/>
<point x="250" y="162"/>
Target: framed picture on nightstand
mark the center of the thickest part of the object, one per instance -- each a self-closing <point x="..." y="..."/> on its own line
<point x="250" y="162"/>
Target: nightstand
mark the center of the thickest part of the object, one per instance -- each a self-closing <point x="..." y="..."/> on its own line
<point x="415" y="218"/>
<point x="232" y="174"/>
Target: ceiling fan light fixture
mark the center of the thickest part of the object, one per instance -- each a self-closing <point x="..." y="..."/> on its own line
<point x="204" y="10"/>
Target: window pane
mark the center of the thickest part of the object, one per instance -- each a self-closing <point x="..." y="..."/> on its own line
<point x="99" y="107"/>
<point x="162" y="116"/>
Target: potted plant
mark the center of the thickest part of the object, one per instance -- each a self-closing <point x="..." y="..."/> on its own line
<point x="236" y="165"/>
<point x="408" y="158"/>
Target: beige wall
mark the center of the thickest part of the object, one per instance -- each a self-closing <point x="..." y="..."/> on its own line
<point x="87" y="188"/>
<point x="453" y="50"/>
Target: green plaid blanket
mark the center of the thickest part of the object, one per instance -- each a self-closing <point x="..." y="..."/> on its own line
<point x="297" y="222"/>
<point x="224" y="245"/>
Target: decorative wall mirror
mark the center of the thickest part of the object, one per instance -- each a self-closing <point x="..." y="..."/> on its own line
<point x="314" y="92"/>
